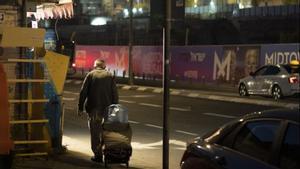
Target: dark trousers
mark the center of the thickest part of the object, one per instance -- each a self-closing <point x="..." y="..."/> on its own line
<point x="95" y="121"/>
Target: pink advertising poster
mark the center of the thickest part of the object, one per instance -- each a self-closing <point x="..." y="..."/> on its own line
<point x="147" y="61"/>
<point x="116" y="57"/>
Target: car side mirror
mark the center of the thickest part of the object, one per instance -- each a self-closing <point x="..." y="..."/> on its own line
<point x="251" y="74"/>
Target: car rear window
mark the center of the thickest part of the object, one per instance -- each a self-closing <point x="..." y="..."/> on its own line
<point x="292" y="69"/>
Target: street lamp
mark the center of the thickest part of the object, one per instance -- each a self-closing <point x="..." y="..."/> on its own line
<point x="130" y="43"/>
<point x="166" y="81"/>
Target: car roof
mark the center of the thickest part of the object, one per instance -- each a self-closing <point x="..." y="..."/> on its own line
<point x="284" y="114"/>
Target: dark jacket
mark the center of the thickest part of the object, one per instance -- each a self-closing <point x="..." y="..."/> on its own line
<point x="98" y="91"/>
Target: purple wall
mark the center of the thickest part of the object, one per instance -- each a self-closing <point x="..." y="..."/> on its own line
<point x="221" y="64"/>
<point x="194" y="62"/>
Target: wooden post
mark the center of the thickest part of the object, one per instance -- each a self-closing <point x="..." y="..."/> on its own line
<point x="5" y="142"/>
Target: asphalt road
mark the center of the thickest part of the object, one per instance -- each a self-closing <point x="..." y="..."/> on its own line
<point x="189" y="117"/>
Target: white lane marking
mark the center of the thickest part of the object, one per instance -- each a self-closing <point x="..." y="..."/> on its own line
<point x="157" y="145"/>
<point x="193" y="95"/>
<point x="152" y="125"/>
<point x="68" y="81"/>
<point x="180" y="109"/>
<point x="141" y="96"/>
<point x="220" y="115"/>
<point x="133" y="122"/>
<point x="171" y="108"/>
<point x="174" y="92"/>
<point x="187" y="133"/>
<point x="69" y="92"/>
<point x="177" y="143"/>
<point x="141" y="89"/>
<point x="137" y="96"/>
<point x="78" y="82"/>
<point x="126" y="87"/>
<point x="180" y="148"/>
<point x="157" y="90"/>
<point x="127" y="101"/>
<point x="150" y="105"/>
<point x="150" y="146"/>
<point x="69" y="99"/>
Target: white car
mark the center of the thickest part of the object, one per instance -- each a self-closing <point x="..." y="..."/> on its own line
<point x="272" y="80"/>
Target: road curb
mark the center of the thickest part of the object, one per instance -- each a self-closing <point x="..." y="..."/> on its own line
<point x="213" y="96"/>
<point x="203" y="94"/>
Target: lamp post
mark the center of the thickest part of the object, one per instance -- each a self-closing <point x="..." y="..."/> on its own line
<point x="166" y="81"/>
<point x="130" y="71"/>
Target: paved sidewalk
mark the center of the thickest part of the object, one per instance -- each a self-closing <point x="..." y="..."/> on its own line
<point x="68" y="160"/>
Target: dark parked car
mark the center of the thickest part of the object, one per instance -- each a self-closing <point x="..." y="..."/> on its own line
<point x="272" y="80"/>
<point x="261" y="140"/>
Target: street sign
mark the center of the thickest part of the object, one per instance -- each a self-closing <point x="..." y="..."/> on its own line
<point x="57" y="65"/>
<point x="21" y="37"/>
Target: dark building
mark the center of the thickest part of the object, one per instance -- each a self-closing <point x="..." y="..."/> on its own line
<point x="194" y="22"/>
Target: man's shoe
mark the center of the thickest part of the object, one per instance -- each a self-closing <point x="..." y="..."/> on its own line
<point x="97" y="159"/>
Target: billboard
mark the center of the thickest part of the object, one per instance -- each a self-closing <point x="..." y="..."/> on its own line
<point x="116" y="57"/>
<point x="194" y="62"/>
<point x="212" y="64"/>
<point x="279" y="53"/>
<point x="147" y="61"/>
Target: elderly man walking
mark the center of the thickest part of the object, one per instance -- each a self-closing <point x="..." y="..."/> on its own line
<point x="98" y="91"/>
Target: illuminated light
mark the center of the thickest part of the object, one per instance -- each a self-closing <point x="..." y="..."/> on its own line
<point x="293" y="79"/>
<point x="195" y="3"/>
<point x="241" y="6"/>
<point x="77" y="145"/>
<point x="208" y="146"/>
<point x="74" y="65"/>
<point x="241" y="120"/>
<point x="99" y="21"/>
<point x="212" y="6"/>
<point x="250" y="83"/>
<point x="134" y="10"/>
<point x="198" y="146"/>
<point x="126" y="12"/>
<point x="141" y="10"/>
<point x="295" y="62"/>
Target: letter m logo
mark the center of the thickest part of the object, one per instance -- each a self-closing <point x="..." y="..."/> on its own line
<point x="221" y="69"/>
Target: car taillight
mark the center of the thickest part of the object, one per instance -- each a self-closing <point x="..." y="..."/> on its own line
<point x="293" y="79"/>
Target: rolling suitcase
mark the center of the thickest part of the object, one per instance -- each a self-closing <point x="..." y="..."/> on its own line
<point x="116" y="136"/>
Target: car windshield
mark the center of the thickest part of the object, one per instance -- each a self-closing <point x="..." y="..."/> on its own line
<point x="292" y="69"/>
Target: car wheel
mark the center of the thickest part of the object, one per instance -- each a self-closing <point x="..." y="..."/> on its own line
<point x="277" y="93"/>
<point x="243" y="90"/>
